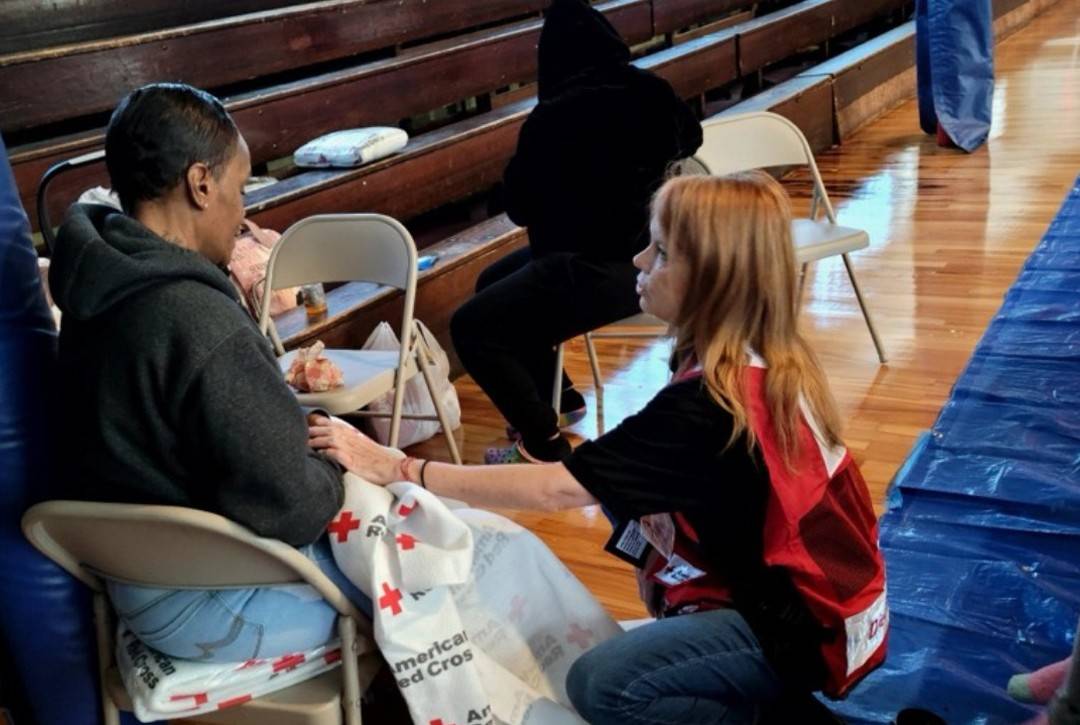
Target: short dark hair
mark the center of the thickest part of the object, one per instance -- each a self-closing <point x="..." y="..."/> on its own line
<point x="156" y="134"/>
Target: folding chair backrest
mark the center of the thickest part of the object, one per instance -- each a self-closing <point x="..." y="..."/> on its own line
<point x="343" y="248"/>
<point x="739" y="142"/>
<point x="759" y="140"/>
<point x="168" y="546"/>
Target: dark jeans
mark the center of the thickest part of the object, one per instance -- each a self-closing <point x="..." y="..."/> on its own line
<point x="706" y="667"/>
<point x="506" y="334"/>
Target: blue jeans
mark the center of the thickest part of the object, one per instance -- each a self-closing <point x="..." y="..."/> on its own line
<point x="235" y="625"/>
<point x="705" y="667"/>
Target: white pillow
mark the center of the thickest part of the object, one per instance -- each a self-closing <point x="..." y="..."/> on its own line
<point x="354" y="147"/>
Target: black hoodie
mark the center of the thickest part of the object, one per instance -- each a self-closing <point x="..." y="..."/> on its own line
<point x="598" y="143"/>
<point x="170" y="395"/>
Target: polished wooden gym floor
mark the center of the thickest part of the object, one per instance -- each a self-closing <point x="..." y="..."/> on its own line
<point x="949" y="232"/>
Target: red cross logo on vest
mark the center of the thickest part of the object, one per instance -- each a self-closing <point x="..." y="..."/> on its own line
<point x="405" y="541"/>
<point x="580" y="637"/>
<point x="391" y="599"/>
<point x="404" y="510"/>
<point x="288" y="662"/>
<point x="345" y="524"/>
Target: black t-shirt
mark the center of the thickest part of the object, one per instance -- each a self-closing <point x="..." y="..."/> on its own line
<point x="673" y="456"/>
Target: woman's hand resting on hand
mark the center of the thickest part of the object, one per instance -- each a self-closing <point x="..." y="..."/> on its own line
<point x="354" y="450"/>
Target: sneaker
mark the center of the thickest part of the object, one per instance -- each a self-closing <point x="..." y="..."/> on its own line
<point x="571" y="411"/>
<point x="566" y="420"/>
<point x="506" y="455"/>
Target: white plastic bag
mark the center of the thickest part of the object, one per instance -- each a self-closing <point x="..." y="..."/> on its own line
<point x="417" y="399"/>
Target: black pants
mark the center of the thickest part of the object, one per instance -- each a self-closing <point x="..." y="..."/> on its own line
<point x="506" y="334"/>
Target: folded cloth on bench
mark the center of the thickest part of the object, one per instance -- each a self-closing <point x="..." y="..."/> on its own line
<point x="477" y="619"/>
<point x="163" y="688"/>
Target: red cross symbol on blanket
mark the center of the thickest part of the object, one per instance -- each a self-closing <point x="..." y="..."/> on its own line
<point x="250" y="663"/>
<point x="405" y="541"/>
<point x="391" y="599"/>
<point x="343" y="526"/>
<point x="199" y="698"/>
<point x="579" y="636"/>
<point x="288" y="662"/>
<point x="405" y="510"/>
<point x="233" y="702"/>
<point x="438" y="721"/>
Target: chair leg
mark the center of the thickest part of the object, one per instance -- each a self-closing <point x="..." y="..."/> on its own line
<point x="802" y="287"/>
<point x="556" y="389"/>
<point x="350" y="671"/>
<point x="594" y="363"/>
<point x="425" y="370"/>
<point x="398" y="404"/>
<point x="110" y="712"/>
<point x="865" y="311"/>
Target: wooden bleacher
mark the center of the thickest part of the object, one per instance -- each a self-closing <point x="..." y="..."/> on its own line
<point x="478" y="62"/>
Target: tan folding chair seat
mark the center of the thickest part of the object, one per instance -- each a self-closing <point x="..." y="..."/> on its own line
<point x="181" y="548"/>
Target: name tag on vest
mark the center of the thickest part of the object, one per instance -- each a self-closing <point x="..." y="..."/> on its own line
<point x="677" y="571"/>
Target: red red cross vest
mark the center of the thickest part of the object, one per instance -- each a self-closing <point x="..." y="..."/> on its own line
<point x="819" y="526"/>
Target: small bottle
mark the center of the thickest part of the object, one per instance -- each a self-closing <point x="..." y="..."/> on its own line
<point x="314" y="300"/>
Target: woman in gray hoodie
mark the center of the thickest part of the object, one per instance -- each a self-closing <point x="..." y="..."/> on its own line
<point x="170" y="393"/>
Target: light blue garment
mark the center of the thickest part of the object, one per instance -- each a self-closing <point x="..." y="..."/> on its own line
<point x="706" y="667"/>
<point x="235" y="625"/>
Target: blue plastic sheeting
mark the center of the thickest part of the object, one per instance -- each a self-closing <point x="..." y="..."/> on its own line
<point x="955" y="68"/>
<point x="982" y="535"/>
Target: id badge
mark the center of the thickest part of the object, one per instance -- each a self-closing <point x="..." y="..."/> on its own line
<point x="677" y="571"/>
<point x="629" y="544"/>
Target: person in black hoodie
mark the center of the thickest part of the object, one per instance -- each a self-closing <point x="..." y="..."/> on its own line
<point x="170" y="394"/>
<point x="589" y="158"/>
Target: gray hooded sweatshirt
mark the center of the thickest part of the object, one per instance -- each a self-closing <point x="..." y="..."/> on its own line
<point x="168" y="393"/>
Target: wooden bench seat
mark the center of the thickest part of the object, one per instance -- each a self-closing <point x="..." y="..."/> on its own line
<point x="88" y="78"/>
<point x="777" y="35"/>
<point x="670" y="16"/>
<point x="277" y="120"/>
<point x="32" y="24"/>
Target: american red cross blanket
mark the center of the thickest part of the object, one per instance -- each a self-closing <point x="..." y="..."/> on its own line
<point x="477" y="619"/>
<point x="166" y="688"/>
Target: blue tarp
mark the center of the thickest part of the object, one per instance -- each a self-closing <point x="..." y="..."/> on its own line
<point x="954" y="42"/>
<point x="982" y="535"/>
